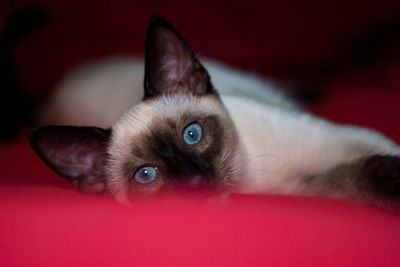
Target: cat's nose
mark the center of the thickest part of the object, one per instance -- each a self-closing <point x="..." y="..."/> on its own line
<point x="186" y="168"/>
<point x="194" y="179"/>
<point x="196" y="183"/>
<point x="194" y="174"/>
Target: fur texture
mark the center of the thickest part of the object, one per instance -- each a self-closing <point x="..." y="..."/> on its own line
<point x="256" y="140"/>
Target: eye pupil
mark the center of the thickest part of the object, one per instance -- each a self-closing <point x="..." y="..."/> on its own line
<point x="192" y="134"/>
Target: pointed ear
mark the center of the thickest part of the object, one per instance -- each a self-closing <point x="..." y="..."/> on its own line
<point x="76" y="153"/>
<point x="171" y="66"/>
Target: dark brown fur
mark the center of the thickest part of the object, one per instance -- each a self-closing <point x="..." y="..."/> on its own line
<point x="373" y="180"/>
<point x="165" y="44"/>
<point x="380" y="177"/>
<point x="177" y="161"/>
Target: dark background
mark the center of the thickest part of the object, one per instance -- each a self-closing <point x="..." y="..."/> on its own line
<point x="319" y="49"/>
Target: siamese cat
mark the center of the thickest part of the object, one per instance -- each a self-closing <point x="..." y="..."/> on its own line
<point x="204" y="126"/>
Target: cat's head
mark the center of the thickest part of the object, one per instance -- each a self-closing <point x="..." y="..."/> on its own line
<point x="180" y="135"/>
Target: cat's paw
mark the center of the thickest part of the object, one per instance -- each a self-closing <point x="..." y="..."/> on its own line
<point x="380" y="175"/>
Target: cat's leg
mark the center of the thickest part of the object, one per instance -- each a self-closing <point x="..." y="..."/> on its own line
<point x="372" y="180"/>
<point x="352" y="163"/>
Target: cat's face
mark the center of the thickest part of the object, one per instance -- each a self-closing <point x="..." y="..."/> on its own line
<point x="180" y="135"/>
<point x="173" y="141"/>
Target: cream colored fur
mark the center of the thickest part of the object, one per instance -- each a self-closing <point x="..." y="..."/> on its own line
<point x="281" y="144"/>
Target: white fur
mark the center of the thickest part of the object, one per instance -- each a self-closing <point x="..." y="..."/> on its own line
<point x="281" y="142"/>
<point x="284" y="145"/>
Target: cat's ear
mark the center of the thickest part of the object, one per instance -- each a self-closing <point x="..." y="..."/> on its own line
<point x="76" y="153"/>
<point x="171" y="66"/>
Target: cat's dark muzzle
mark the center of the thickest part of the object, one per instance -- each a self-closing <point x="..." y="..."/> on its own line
<point x="184" y="167"/>
<point x="193" y="180"/>
<point x="192" y="172"/>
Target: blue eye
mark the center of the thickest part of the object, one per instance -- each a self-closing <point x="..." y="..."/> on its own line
<point x="192" y="133"/>
<point x="146" y="175"/>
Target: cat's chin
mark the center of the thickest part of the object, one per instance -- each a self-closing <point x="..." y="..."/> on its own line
<point x="122" y="198"/>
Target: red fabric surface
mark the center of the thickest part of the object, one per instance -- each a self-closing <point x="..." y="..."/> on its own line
<point x="45" y="222"/>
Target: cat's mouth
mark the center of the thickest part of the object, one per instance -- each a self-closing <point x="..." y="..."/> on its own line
<point x="194" y="184"/>
<point x="194" y="181"/>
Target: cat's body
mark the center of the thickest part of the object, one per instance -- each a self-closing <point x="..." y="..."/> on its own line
<point x="259" y="141"/>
